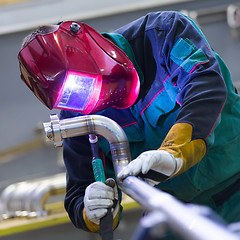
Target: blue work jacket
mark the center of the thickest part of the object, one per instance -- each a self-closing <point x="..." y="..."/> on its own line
<point x="183" y="81"/>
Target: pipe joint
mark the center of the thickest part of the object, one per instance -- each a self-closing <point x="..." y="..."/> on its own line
<point x="53" y="131"/>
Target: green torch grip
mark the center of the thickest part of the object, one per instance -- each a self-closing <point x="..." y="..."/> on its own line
<point x="98" y="170"/>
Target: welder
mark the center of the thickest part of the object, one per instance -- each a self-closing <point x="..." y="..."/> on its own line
<point x="160" y="80"/>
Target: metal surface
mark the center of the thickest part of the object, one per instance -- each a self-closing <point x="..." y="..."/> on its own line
<point x="186" y="223"/>
<point x="57" y="129"/>
<point x="28" y="198"/>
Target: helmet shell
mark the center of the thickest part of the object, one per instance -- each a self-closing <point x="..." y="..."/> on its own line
<point x="48" y="58"/>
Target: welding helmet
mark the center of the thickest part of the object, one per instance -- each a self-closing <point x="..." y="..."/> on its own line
<point x="76" y="68"/>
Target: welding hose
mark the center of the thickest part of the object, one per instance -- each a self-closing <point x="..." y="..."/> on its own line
<point x="106" y="222"/>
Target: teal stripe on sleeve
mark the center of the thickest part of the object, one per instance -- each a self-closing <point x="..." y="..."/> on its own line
<point x="185" y="54"/>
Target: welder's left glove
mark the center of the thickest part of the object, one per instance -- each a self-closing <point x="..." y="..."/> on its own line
<point x="97" y="199"/>
<point x="160" y="161"/>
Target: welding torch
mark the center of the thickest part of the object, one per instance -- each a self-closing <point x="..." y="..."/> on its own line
<point x="106" y="222"/>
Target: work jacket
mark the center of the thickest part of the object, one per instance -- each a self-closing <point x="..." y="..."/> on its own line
<point x="187" y="105"/>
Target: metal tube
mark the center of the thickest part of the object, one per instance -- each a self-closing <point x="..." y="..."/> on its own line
<point x="188" y="224"/>
<point x="28" y="199"/>
<point x="56" y="130"/>
<point x="181" y="219"/>
<point x="46" y="189"/>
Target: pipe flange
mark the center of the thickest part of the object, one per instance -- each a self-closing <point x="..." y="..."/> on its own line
<point x="55" y="125"/>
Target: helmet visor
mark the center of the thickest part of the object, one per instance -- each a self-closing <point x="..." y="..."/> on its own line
<point x="80" y="92"/>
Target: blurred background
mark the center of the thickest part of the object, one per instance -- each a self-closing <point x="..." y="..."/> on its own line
<point x="27" y="163"/>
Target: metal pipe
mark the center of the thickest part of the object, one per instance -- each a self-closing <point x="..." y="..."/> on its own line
<point x="188" y="224"/>
<point x="57" y="130"/>
<point x="180" y="218"/>
<point x="46" y="189"/>
<point x="28" y="199"/>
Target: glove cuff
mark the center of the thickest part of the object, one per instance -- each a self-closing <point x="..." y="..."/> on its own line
<point x="167" y="164"/>
<point x="179" y="142"/>
<point x="179" y="164"/>
<point x="93" y="227"/>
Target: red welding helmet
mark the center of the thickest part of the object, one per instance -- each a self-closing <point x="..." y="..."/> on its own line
<point x="76" y="68"/>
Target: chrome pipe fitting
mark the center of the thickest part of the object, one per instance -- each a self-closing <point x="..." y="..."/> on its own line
<point x="56" y="130"/>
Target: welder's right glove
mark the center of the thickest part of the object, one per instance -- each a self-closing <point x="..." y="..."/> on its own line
<point x="98" y="198"/>
<point x="160" y="161"/>
<point x="177" y="154"/>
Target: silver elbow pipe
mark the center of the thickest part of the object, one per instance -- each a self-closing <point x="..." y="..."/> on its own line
<point x="187" y="223"/>
<point x="56" y="130"/>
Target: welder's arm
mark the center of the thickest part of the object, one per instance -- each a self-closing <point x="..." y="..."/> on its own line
<point x="179" y="143"/>
<point x="86" y="201"/>
<point x="83" y="193"/>
<point x="176" y="154"/>
<point x="194" y="69"/>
